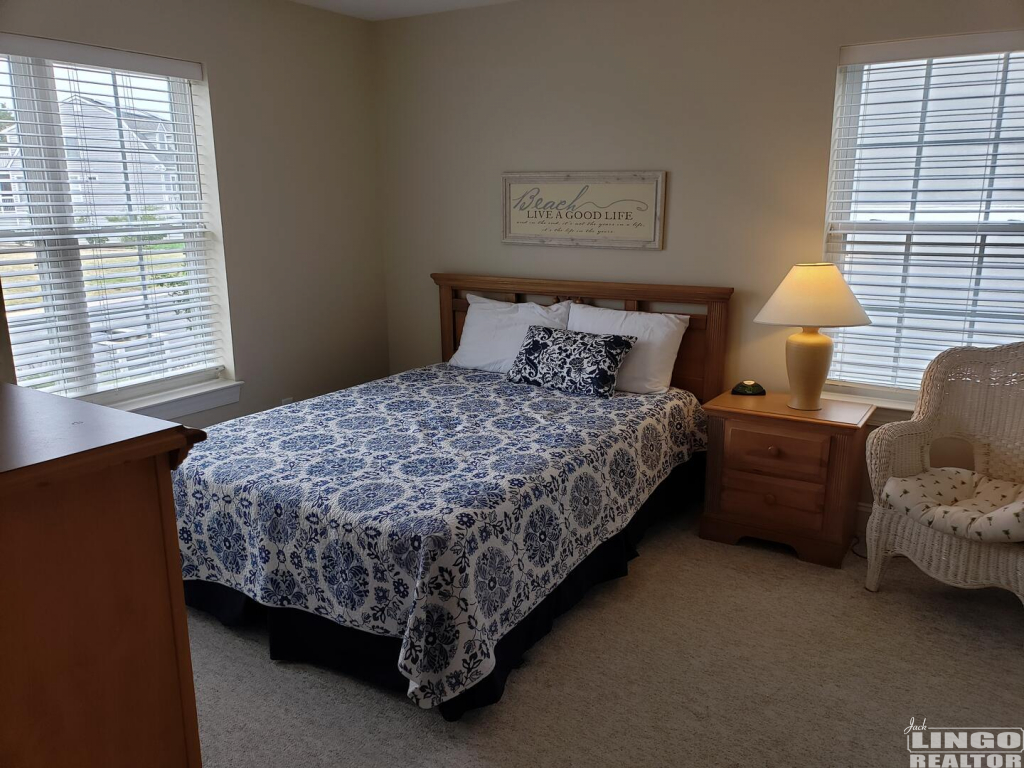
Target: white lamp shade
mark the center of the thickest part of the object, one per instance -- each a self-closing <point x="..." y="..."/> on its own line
<point x="813" y="296"/>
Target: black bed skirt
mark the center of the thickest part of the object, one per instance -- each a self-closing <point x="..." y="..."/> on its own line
<point x="301" y="636"/>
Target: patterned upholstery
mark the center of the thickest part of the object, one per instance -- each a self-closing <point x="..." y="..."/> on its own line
<point x="960" y="502"/>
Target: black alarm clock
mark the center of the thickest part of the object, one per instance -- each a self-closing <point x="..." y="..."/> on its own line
<point x="749" y="387"/>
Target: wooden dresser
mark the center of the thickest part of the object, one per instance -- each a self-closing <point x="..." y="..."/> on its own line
<point x="94" y="657"/>
<point x="784" y="475"/>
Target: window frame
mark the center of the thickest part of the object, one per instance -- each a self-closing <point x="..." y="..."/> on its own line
<point x="178" y="394"/>
<point x="843" y="153"/>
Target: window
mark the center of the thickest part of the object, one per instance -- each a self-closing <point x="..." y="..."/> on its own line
<point x="925" y="212"/>
<point x="6" y="193"/>
<point x="109" y="277"/>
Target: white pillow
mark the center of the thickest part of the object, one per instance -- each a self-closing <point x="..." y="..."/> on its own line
<point x="647" y="369"/>
<point x="495" y="331"/>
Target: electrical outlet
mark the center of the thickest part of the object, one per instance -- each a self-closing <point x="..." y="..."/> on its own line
<point x="286" y="400"/>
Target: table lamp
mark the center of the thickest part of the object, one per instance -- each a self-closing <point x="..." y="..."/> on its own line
<point x="812" y="296"/>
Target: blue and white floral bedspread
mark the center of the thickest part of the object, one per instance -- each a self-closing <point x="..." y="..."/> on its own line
<point x="439" y="505"/>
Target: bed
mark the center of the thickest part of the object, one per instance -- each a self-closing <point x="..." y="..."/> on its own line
<point x="424" y="529"/>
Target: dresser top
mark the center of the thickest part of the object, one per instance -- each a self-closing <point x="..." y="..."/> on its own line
<point x="36" y="427"/>
<point x="836" y="413"/>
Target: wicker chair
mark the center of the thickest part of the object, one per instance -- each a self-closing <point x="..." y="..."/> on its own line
<point x="968" y="393"/>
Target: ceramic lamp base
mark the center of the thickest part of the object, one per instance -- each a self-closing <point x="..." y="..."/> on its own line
<point x="808" y="358"/>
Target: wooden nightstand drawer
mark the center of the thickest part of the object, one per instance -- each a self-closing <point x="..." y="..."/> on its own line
<point x="772" y="450"/>
<point x="791" y="505"/>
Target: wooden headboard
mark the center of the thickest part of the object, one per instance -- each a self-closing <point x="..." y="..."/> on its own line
<point x="700" y="361"/>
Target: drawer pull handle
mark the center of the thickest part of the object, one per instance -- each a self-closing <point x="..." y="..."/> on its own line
<point x="773" y="450"/>
<point x="769" y="499"/>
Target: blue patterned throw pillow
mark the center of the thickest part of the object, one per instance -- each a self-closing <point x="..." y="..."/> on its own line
<point x="570" y="361"/>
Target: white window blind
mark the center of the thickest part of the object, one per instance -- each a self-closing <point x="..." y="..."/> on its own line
<point x="104" y="260"/>
<point x="925" y="212"/>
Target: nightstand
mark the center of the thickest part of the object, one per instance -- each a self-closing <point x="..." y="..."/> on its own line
<point x="784" y="475"/>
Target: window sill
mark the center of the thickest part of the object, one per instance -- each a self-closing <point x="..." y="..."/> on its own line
<point x="886" y="409"/>
<point x="173" y="404"/>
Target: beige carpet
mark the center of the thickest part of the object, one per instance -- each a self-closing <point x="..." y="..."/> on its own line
<point x="705" y="655"/>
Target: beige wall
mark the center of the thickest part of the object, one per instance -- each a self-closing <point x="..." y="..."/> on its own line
<point x="733" y="99"/>
<point x="292" y="105"/>
<point x="315" y="113"/>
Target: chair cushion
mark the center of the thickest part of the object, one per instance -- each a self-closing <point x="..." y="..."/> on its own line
<point x="960" y="502"/>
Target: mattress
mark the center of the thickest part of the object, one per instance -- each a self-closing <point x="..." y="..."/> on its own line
<point x="438" y="506"/>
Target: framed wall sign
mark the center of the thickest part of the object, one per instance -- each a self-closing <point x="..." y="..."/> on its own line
<point x="595" y="209"/>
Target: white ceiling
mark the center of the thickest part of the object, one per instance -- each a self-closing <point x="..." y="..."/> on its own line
<point x="376" y="10"/>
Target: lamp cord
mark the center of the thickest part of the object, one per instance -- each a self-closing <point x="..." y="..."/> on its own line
<point x="853" y="548"/>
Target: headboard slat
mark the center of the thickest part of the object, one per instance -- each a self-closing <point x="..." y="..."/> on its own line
<point x="700" y="361"/>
